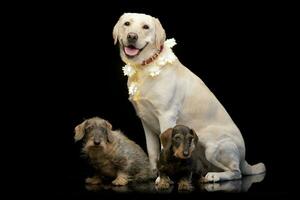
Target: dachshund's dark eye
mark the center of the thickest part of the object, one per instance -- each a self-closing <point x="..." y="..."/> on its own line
<point x="177" y="139"/>
<point x="127" y="23"/>
<point x="190" y="139"/>
<point x="89" y="128"/>
<point x="145" y="26"/>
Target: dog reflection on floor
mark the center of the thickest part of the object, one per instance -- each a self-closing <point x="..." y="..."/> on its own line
<point x="144" y="187"/>
<point x="242" y="185"/>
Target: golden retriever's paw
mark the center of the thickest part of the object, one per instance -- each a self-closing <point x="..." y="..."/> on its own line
<point x="185" y="185"/>
<point x="202" y="179"/>
<point x="211" y="177"/>
<point x="163" y="183"/>
<point x="120" y="180"/>
<point x="93" y="181"/>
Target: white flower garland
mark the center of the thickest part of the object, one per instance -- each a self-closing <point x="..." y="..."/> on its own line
<point x="128" y="70"/>
<point x="154" y="69"/>
<point x="132" y="89"/>
<point x="170" y="43"/>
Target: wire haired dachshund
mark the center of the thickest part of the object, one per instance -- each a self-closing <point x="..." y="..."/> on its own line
<point x="177" y="160"/>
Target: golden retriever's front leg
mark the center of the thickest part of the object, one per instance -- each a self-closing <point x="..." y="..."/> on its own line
<point x="122" y="179"/>
<point x="153" y="148"/>
<point x="167" y="120"/>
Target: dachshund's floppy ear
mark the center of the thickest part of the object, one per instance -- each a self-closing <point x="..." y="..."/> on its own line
<point x="108" y="125"/>
<point x="116" y="30"/>
<point x="108" y="131"/>
<point x="166" y="138"/>
<point x="195" y="136"/>
<point x="79" y="131"/>
<point x="160" y="34"/>
<point x="110" y="138"/>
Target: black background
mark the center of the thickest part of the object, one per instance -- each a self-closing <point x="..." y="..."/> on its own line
<point x="68" y="69"/>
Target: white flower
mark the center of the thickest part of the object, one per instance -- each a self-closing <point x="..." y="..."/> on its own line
<point x="167" y="58"/>
<point x="132" y="88"/>
<point x="170" y="58"/>
<point x="162" y="61"/>
<point x="170" y="42"/>
<point x="128" y="70"/>
<point x="154" y="71"/>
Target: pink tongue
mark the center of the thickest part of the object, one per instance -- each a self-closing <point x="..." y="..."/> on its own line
<point x="131" y="51"/>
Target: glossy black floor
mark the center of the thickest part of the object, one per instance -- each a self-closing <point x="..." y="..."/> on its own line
<point x="75" y="73"/>
<point x="246" y="184"/>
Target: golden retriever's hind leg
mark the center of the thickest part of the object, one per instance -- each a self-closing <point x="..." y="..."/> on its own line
<point x="225" y="156"/>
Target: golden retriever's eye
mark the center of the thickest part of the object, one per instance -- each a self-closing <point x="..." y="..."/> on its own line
<point x="127" y="23"/>
<point x="145" y="26"/>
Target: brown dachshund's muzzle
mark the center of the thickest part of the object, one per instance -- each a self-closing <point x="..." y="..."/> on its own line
<point x="186" y="151"/>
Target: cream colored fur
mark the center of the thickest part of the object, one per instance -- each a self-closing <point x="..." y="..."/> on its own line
<point x="178" y="96"/>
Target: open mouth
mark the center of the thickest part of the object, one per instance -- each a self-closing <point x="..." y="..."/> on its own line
<point x="132" y="51"/>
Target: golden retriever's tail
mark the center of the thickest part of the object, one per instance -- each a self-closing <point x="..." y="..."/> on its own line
<point x="247" y="169"/>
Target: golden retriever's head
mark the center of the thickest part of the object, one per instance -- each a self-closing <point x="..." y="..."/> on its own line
<point x="139" y="36"/>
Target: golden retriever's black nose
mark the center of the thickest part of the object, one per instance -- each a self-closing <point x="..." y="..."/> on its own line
<point x="132" y="37"/>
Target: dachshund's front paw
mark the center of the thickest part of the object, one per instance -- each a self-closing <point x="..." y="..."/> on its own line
<point x="185" y="185"/>
<point x="120" y="180"/>
<point x="163" y="183"/>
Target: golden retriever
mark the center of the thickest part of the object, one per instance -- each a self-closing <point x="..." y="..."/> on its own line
<point x="165" y="93"/>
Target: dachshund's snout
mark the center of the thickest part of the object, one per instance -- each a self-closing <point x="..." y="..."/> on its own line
<point x="186" y="153"/>
<point x="96" y="142"/>
<point x="96" y="139"/>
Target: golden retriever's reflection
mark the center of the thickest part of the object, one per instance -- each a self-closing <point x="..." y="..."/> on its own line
<point x="242" y="185"/>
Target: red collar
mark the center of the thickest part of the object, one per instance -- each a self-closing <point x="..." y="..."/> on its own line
<point x="153" y="57"/>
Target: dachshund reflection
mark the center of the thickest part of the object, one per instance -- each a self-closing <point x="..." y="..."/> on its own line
<point x="112" y="154"/>
<point x="177" y="159"/>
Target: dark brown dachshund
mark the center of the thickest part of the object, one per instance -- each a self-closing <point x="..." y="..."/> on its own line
<point x="177" y="160"/>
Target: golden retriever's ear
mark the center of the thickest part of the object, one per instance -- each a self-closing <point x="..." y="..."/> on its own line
<point x="160" y="34"/>
<point x="195" y="136"/>
<point x="166" y="138"/>
<point x="79" y="131"/>
<point x="116" y="31"/>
